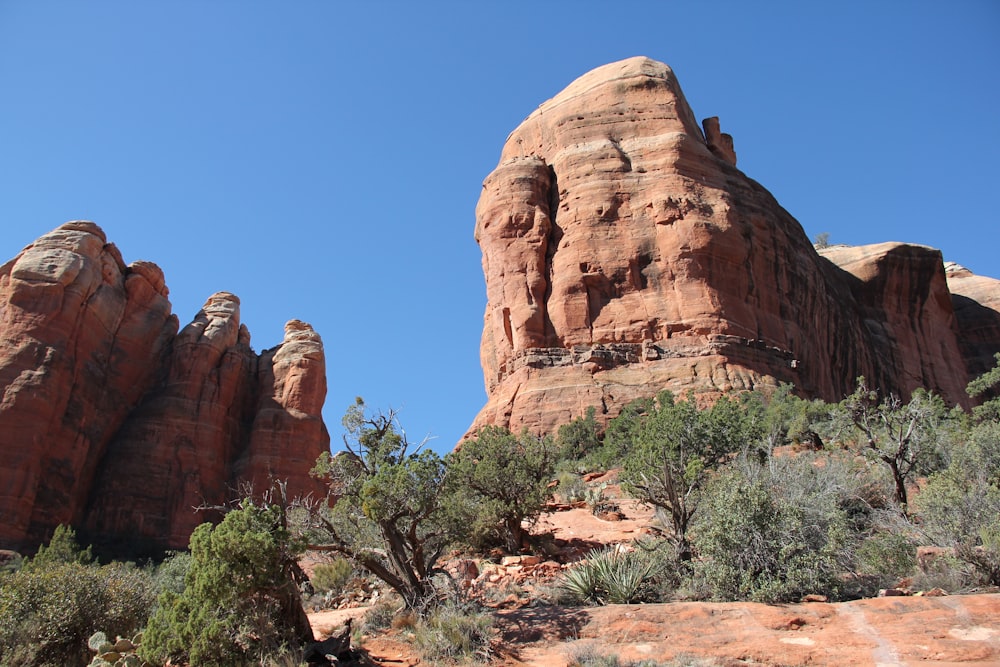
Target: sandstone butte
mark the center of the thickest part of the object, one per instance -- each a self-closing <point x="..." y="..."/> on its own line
<point x="625" y="253"/>
<point x="116" y="423"/>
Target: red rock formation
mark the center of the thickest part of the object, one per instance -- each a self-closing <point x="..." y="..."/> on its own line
<point x="624" y="253"/>
<point x="976" y="300"/>
<point x="288" y="418"/>
<point x="113" y="423"/>
<point x="82" y="336"/>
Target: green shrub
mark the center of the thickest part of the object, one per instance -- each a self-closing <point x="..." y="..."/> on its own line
<point x="47" y="613"/>
<point x="598" y="502"/>
<point x="946" y="571"/>
<point x="62" y="548"/>
<point x="332" y="576"/>
<point x="571" y="488"/>
<point x="888" y="556"/>
<point x="396" y="511"/>
<point x="506" y="477"/>
<point x="578" y="438"/>
<point x="960" y="506"/>
<point x="609" y="576"/>
<point x="620" y="435"/>
<point x="171" y="573"/>
<point x="379" y="616"/>
<point x="590" y="657"/>
<point x="453" y="633"/>
<point x="240" y="603"/>
<point x="756" y="545"/>
<point x="676" y="448"/>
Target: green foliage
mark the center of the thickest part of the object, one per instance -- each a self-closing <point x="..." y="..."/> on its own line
<point x="453" y="633"/>
<point x="171" y="574"/>
<point x="888" y="556"/>
<point x="571" y="487"/>
<point x="904" y="437"/>
<point x="578" y="438"/>
<point x="676" y="446"/>
<point x="62" y="548"/>
<point x="960" y="506"/>
<point x="48" y="611"/>
<point x="620" y="435"/>
<point x="785" y="418"/>
<point x="599" y="503"/>
<point x="240" y="602"/>
<point x="987" y="385"/>
<point x="392" y="517"/>
<point x="332" y="576"/>
<point x="757" y="548"/>
<point x="10" y="563"/>
<point x="610" y="576"/>
<point x="590" y="657"/>
<point x="793" y="526"/>
<point x="379" y="616"/>
<point x="506" y="477"/>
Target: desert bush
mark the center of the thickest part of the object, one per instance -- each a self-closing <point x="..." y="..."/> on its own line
<point x="960" y="506"/>
<point x="48" y="611"/>
<point x="598" y="500"/>
<point x="946" y="571"/>
<point x="240" y="603"/>
<point x="610" y="576"/>
<point x="395" y="515"/>
<point x="589" y="656"/>
<point x="782" y="530"/>
<point x="987" y="387"/>
<point x="507" y="478"/>
<point x="676" y="447"/>
<point x="571" y="487"/>
<point x="887" y="556"/>
<point x="905" y="437"/>
<point x="379" y="616"/>
<point x="454" y="633"/>
<point x="62" y="548"/>
<point x="332" y="576"/>
<point x="578" y="438"/>
<point x="620" y="435"/>
<point x="170" y="574"/>
<point x="10" y="563"/>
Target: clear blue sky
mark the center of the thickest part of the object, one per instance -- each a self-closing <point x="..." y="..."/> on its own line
<point x="322" y="160"/>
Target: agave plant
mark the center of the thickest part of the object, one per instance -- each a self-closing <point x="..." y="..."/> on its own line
<point x="609" y="576"/>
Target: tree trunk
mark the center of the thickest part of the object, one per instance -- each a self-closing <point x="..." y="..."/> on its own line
<point x="900" y="481"/>
<point x="515" y="536"/>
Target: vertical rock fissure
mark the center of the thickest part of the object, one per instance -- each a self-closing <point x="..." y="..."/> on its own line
<point x="551" y="246"/>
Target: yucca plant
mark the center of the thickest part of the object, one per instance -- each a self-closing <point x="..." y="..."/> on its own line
<point x="609" y="576"/>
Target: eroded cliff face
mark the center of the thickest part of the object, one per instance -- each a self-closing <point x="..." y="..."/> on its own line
<point x="115" y="422"/>
<point x="624" y="253"/>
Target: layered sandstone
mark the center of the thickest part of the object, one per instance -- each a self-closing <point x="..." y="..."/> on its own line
<point x="115" y="422"/>
<point x="625" y="253"/>
<point x="976" y="300"/>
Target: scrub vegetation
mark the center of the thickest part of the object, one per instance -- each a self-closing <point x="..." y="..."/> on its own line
<point x="762" y="496"/>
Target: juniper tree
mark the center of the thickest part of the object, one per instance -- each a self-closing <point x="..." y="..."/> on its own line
<point x="390" y="514"/>
<point x="507" y="478"/>
<point x="675" y="447"/>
